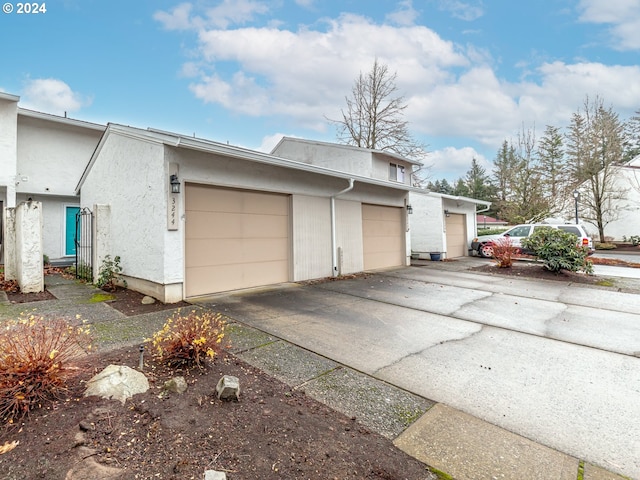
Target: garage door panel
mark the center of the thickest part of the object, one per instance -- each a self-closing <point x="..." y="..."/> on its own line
<point x="265" y="250"/>
<point x="380" y="228"/>
<point x="456" y="235"/>
<point x="234" y="239"/>
<point x="264" y="226"/>
<point x="264" y="204"/>
<point x="214" y="224"/>
<point x="383" y="236"/>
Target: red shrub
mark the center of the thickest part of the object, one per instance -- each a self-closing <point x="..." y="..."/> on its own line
<point x="504" y="252"/>
<point x="36" y="360"/>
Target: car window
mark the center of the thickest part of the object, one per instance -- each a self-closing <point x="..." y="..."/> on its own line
<point x="520" y="231"/>
<point x="539" y="227"/>
<point x="571" y="229"/>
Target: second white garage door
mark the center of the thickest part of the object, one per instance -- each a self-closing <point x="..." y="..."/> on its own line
<point x="456" y="235"/>
<point x="234" y="239"/>
<point x="382" y="236"/>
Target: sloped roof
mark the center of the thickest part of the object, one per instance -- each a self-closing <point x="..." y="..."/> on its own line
<point x="347" y="147"/>
<point x="208" y="146"/>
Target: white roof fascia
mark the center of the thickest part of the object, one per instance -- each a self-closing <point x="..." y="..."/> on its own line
<point x="9" y="97"/>
<point x="347" y="147"/>
<point x="457" y="198"/>
<point x="58" y="119"/>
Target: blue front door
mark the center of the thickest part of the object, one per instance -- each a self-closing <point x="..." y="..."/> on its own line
<point x="70" y="230"/>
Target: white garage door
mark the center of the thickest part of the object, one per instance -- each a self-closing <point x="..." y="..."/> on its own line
<point x="234" y="239"/>
<point x="456" y="235"/>
<point x="382" y="236"/>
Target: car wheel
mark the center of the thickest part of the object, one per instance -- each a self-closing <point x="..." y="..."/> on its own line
<point x="486" y="250"/>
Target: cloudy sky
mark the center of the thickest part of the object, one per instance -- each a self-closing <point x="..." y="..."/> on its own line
<point x="473" y="72"/>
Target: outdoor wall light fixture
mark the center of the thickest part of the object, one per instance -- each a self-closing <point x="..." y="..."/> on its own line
<point x="409" y="209"/>
<point x="446" y="213"/>
<point x="175" y="184"/>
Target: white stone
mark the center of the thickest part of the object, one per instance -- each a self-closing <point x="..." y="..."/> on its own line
<point x="214" y="475"/>
<point x="147" y="300"/>
<point x="228" y="388"/>
<point x="117" y="382"/>
<point x="176" y="385"/>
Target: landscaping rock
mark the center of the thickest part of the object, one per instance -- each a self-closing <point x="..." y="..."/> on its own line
<point x="117" y="382"/>
<point x="147" y="300"/>
<point x="176" y="385"/>
<point x="214" y="475"/>
<point x="228" y="388"/>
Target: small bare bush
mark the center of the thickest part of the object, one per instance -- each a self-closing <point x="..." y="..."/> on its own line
<point x="36" y="360"/>
<point x="188" y="340"/>
<point x="504" y="252"/>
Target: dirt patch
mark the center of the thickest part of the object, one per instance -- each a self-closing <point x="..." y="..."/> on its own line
<point x="272" y="432"/>
<point x="130" y="303"/>
<point x="535" y="270"/>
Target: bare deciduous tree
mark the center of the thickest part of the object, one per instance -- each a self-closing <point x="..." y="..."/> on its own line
<point x="595" y="151"/>
<point x="374" y="117"/>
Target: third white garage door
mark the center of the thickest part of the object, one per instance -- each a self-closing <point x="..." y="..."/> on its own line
<point x="382" y="236"/>
<point x="456" y="235"/>
<point x="234" y="239"/>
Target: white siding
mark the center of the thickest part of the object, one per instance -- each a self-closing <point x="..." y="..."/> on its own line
<point x="349" y="236"/>
<point x="311" y="219"/>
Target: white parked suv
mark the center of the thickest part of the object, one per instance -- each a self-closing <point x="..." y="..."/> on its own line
<point x="483" y="245"/>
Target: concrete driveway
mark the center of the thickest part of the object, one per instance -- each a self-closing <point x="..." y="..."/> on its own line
<point x="555" y="363"/>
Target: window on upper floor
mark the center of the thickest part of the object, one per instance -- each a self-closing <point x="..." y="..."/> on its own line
<point x="396" y="172"/>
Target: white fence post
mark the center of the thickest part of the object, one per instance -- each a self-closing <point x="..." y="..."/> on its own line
<point x="29" y="261"/>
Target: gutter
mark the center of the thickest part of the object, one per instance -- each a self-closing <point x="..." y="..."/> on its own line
<point x="334" y="253"/>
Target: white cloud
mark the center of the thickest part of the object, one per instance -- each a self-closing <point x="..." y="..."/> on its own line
<point x="52" y="96"/>
<point x="405" y="15"/>
<point x="306" y="74"/>
<point x="223" y="15"/>
<point x="452" y="91"/>
<point x="270" y="141"/>
<point x="178" y="19"/>
<point x="622" y="15"/>
<point x="452" y="163"/>
<point x="463" y="10"/>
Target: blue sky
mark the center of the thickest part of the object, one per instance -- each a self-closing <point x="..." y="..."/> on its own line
<point x="473" y="72"/>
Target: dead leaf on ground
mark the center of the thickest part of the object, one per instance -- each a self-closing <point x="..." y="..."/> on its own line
<point x="8" y="446"/>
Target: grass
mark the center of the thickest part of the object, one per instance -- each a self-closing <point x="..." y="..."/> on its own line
<point x="101" y="297"/>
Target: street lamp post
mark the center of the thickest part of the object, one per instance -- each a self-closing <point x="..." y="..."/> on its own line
<point x="576" y="197"/>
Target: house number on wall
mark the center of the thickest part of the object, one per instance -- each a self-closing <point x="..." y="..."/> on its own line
<point x="173" y="213"/>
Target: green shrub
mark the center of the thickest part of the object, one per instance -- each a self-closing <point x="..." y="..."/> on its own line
<point x="187" y="340"/>
<point x="504" y="251"/>
<point x="109" y="272"/>
<point x="559" y="250"/>
<point x="36" y="361"/>
<point x="491" y="231"/>
<point x="604" y="246"/>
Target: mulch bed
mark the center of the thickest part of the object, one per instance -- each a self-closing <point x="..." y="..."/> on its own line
<point x="273" y="432"/>
<point x="130" y="303"/>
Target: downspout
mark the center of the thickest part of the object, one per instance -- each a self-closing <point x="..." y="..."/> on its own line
<point x="334" y="248"/>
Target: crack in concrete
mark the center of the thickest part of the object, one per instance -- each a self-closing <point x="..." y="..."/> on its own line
<point x="426" y="349"/>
